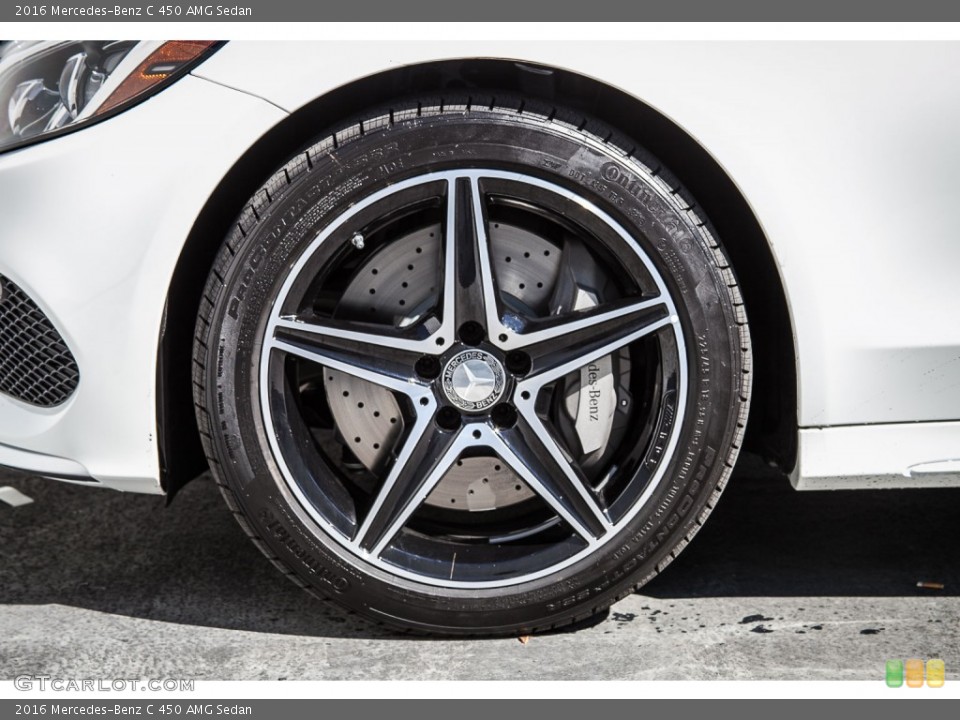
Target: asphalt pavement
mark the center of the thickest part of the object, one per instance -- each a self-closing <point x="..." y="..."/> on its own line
<point x="778" y="585"/>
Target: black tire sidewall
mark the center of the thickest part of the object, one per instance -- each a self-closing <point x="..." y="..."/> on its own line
<point x="626" y="189"/>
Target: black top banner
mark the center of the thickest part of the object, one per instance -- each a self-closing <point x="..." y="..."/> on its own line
<point x="488" y="10"/>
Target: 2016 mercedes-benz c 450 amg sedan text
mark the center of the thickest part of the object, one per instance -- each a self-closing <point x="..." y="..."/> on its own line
<point x="471" y="336"/>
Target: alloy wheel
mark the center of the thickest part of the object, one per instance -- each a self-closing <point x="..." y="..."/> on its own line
<point x="473" y="378"/>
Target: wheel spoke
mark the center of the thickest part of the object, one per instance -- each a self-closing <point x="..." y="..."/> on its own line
<point x="558" y="347"/>
<point x="533" y="454"/>
<point x="424" y="458"/>
<point x="469" y="291"/>
<point x="351" y="349"/>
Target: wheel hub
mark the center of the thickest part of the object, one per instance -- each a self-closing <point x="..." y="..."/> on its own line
<point x="473" y="380"/>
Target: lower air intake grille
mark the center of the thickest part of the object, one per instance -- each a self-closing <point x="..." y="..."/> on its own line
<point x="36" y="366"/>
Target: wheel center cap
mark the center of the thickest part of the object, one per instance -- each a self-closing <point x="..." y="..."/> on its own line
<point x="473" y="380"/>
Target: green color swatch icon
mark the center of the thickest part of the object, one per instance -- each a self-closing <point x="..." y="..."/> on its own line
<point x="894" y="673"/>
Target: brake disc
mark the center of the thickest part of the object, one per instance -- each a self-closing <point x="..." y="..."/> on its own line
<point x="400" y="282"/>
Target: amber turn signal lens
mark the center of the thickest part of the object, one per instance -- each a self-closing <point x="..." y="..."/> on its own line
<point x="158" y="67"/>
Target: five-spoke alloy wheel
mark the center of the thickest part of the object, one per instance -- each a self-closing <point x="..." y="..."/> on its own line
<point x="469" y="369"/>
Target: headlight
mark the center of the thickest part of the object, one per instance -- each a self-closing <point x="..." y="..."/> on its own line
<point x="48" y="88"/>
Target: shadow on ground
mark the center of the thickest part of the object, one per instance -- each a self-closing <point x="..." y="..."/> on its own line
<point x="767" y="540"/>
<point x="191" y="564"/>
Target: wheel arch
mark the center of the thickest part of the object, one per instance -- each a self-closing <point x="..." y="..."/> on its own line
<point x="772" y="423"/>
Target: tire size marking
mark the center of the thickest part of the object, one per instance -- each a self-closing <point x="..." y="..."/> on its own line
<point x="672" y="260"/>
<point x="391" y="167"/>
<point x="664" y="428"/>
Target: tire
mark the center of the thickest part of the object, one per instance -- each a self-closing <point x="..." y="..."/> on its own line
<point x="394" y="440"/>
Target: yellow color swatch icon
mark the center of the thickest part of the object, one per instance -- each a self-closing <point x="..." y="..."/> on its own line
<point x="914" y="673"/>
<point x="936" y="672"/>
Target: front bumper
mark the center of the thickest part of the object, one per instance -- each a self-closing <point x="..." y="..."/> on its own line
<point x="91" y="227"/>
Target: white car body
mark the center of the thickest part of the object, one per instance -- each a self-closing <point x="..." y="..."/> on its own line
<point x="847" y="154"/>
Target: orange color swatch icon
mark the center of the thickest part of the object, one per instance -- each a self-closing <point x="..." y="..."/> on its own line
<point x="914" y="672"/>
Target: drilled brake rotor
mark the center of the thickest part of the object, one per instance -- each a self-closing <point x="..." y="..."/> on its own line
<point x="396" y="286"/>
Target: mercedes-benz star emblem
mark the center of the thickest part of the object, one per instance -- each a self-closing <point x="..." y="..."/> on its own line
<point x="473" y="380"/>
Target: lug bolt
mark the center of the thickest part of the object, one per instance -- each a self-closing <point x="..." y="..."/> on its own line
<point x="448" y="418"/>
<point x="518" y="362"/>
<point x="428" y="367"/>
<point x="471" y="333"/>
<point x="504" y="415"/>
